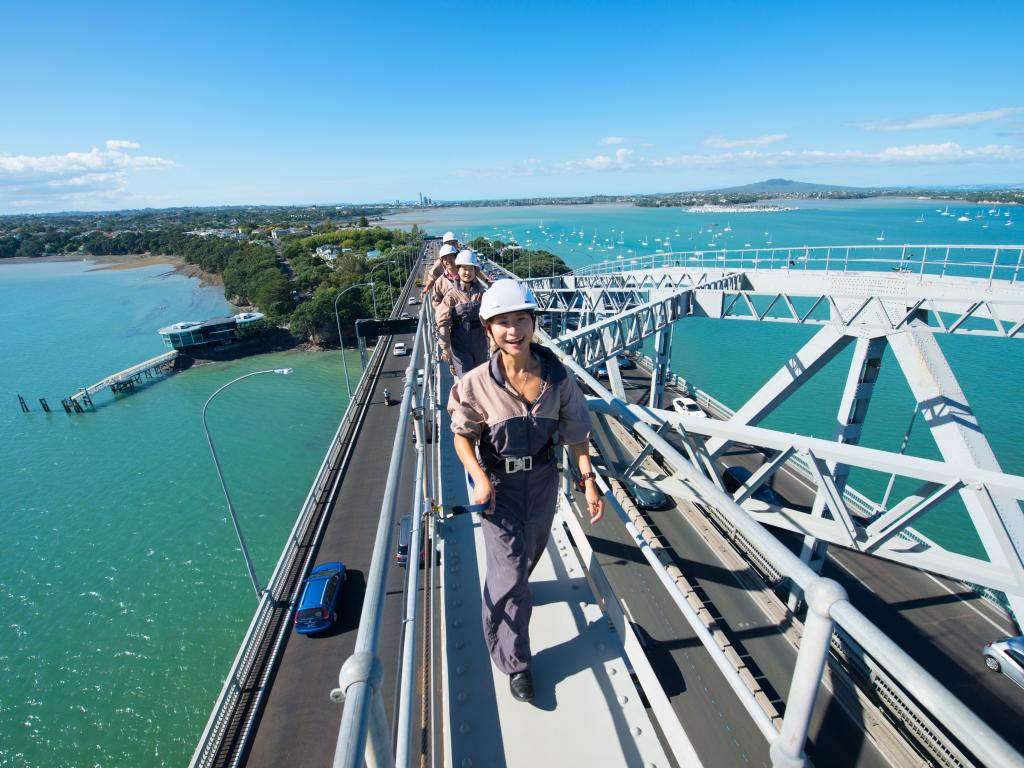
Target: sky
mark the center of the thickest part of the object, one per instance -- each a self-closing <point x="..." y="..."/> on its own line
<point x="128" y="105"/>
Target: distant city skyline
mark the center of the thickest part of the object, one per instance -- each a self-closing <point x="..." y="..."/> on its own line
<point x="133" y="106"/>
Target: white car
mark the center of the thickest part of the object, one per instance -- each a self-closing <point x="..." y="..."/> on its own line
<point x="414" y="301"/>
<point x="687" y="406"/>
<point x="401" y="349"/>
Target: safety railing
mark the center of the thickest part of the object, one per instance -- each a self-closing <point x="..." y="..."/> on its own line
<point x="991" y="262"/>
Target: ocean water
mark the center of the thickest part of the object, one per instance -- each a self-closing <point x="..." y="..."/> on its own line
<point x="123" y="593"/>
<point x="731" y="360"/>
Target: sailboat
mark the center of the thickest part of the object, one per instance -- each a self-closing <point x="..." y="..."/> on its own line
<point x="644" y="241"/>
<point x="728" y="228"/>
<point x="622" y="236"/>
<point x="963" y="218"/>
<point x="946" y="212"/>
<point x="881" y="237"/>
<point x="920" y="219"/>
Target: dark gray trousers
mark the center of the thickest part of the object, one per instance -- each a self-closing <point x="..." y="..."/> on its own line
<point x="514" y="537"/>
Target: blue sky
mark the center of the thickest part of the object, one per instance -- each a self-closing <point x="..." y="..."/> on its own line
<point x="111" y="105"/>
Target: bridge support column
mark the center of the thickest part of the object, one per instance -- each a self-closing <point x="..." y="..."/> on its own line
<point x="787" y="751"/>
<point x="853" y="410"/>
<point x="997" y="518"/>
<point x="662" y="365"/>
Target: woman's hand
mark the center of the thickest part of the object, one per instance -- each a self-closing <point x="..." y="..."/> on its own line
<point x="483" y="492"/>
<point x="595" y="504"/>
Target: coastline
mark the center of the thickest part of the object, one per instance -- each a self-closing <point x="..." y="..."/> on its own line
<point x="124" y="261"/>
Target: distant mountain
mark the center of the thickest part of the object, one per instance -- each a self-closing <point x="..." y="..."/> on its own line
<point x="784" y="185"/>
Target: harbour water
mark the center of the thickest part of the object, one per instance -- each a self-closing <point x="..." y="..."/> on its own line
<point x="122" y="589"/>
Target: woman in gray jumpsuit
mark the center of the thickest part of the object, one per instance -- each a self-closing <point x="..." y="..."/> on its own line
<point x="516" y="409"/>
<point x="460" y="333"/>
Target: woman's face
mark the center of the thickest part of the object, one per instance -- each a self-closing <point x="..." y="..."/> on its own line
<point x="512" y="331"/>
<point x="466" y="273"/>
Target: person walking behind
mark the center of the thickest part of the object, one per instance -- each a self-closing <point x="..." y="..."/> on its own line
<point x="441" y="276"/>
<point x="516" y="409"/>
<point x="460" y="333"/>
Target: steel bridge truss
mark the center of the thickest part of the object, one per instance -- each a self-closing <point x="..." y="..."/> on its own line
<point x="872" y="322"/>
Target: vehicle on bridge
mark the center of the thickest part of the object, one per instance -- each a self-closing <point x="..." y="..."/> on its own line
<point x="321" y="594"/>
<point x="1006" y="656"/>
<point x="687" y="406"/>
<point x="401" y="349"/>
<point x="625" y="364"/>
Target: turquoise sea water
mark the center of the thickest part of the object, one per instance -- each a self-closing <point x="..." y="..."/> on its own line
<point x="731" y="360"/>
<point x="123" y="594"/>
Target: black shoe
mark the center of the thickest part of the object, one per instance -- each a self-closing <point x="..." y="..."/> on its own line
<point x="521" y="685"/>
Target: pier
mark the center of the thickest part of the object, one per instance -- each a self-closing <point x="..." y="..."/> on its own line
<point x="678" y="635"/>
<point x="123" y="381"/>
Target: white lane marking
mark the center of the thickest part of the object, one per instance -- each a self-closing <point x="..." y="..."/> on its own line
<point x="625" y="610"/>
<point x="969" y="605"/>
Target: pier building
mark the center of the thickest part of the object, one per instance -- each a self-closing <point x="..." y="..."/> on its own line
<point x="216" y="332"/>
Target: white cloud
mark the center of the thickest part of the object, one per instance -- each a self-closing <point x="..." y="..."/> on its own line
<point x="948" y="152"/>
<point x="613" y="140"/>
<point x="720" y="142"/>
<point x="99" y="175"/>
<point x="944" y="121"/>
<point x="620" y="162"/>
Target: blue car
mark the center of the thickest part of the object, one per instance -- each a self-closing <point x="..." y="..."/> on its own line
<point x="321" y="595"/>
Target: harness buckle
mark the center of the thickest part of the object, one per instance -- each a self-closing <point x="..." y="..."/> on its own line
<point x="515" y="464"/>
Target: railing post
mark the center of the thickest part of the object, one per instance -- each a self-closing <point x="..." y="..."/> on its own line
<point x="1020" y="255"/>
<point x="787" y="751"/>
<point x="991" y="274"/>
<point x="945" y="261"/>
<point x="360" y="677"/>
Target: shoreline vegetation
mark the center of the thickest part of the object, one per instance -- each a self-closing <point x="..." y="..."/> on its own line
<point x="292" y="274"/>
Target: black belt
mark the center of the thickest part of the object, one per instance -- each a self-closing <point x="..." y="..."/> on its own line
<point x="509" y="465"/>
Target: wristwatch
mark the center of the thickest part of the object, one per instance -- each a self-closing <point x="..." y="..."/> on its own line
<point x="587" y="476"/>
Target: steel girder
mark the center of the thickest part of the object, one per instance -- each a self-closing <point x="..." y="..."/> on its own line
<point x="607" y="337"/>
<point x="884" y="533"/>
<point x="856" y="312"/>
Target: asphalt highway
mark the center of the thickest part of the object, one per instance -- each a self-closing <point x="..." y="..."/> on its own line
<point x="299" y="723"/>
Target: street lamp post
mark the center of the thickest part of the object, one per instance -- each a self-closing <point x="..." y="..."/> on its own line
<point x="220" y="474"/>
<point x="381" y="264"/>
<point x="341" y="342"/>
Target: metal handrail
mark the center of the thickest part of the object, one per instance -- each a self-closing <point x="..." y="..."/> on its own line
<point x="829" y="258"/>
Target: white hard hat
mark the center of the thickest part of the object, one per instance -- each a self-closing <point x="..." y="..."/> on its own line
<point x="449" y="237"/>
<point x="467" y="259"/>
<point x="448" y="250"/>
<point x="506" y="296"/>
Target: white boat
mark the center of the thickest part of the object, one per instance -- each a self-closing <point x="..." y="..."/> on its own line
<point x="963" y="218"/>
<point x="728" y="228"/>
<point x="945" y="212"/>
<point x="881" y="237"/>
<point x="920" y="219"/>
<point x="644" y="241"/>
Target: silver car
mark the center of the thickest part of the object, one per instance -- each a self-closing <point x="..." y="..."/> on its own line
<point x="1006" y="656"/>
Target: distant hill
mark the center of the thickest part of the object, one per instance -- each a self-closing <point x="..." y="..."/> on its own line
<point x="783" y="186"/>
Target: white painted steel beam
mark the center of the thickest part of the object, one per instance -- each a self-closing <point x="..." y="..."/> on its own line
<point x="811" y="358"/>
